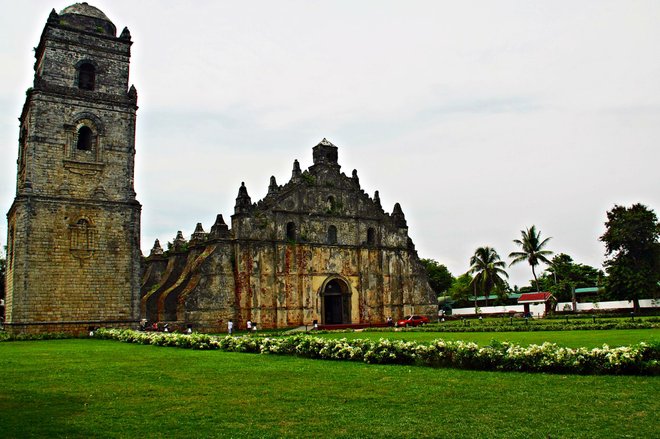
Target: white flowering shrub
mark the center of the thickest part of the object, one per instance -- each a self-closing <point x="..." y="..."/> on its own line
<point x="642" y="358"/>
<point x="474" y="325"/>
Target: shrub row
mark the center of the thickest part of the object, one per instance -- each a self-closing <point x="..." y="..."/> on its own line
<point x="642" y="358"/>
<point x="5" y="336"/>
<point x="477" y="326"/>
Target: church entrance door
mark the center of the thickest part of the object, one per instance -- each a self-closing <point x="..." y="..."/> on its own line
<point x="336" y="303"/>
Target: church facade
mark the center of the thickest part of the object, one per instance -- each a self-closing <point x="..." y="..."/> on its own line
<point x="317" y="248"/>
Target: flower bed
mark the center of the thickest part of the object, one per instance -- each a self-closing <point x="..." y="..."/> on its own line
<point x="642" y="358"/>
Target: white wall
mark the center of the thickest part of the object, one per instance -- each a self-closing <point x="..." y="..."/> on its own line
<point x="538" y="309"/>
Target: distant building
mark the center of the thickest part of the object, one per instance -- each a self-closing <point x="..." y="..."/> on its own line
<point x="527" y="299"/>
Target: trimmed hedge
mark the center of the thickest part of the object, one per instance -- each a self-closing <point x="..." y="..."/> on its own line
<point x="5" y="336"/>
<point x="642" y="358"/>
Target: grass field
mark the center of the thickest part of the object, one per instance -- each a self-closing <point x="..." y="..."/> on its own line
<point x="572" y="339"/>
<point x="95" y="388"/>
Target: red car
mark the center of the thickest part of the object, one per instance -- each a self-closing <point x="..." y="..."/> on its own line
<point x="413" y="321"/>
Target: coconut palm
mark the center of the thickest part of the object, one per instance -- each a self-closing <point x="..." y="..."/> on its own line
<point x="488" y="270"/>
<point x="532" y="250"/>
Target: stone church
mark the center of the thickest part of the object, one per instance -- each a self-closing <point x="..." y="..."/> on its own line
<point x="317" y="248"/>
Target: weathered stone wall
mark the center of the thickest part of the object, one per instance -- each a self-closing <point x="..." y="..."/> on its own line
<point x="55" y="167"/>
<point x="61" y="49"/>
<point x="62" y="274"/>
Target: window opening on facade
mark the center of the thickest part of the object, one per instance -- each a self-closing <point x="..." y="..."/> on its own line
<point x="86" y="77"/>
<point x="371" y="236"/>
<point x="85" y="139"/>
<point x="332" y="235"/>
<point x="291" y="231"/>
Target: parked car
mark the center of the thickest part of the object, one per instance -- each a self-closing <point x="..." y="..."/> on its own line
<point x="413" y="321"/>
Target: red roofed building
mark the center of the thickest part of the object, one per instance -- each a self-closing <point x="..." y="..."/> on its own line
<point x="528" y="298"/>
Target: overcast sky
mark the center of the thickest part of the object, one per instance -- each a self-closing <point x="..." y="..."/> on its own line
<point x="480" y="117"/>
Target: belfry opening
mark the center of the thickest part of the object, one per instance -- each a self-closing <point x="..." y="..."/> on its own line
<point x="336" y="297"/>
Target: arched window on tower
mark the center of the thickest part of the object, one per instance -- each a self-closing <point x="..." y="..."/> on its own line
<point x="85" y="139"/>
<point x="86" y="76"/>
<point x="291" y="231"/>
<point x="332" y="235"/>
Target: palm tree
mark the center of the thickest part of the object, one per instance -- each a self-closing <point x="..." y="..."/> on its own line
<point x="532" y="250"/>
<point x="488" y="270"/>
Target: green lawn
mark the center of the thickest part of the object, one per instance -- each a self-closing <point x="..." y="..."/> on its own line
<point x="573" y="339"/>
<point x="95" y="388"/>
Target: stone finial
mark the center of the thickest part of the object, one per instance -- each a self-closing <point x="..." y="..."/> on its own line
<point x="199" y="235"/>
<point x="377" y="200"/>
<point x="157" y="249"/>
<point x="132" y="93"/>
<point x="243" y="201"/>
<point x="242" y="191"/>
<point x="125" y="34"/>
<point x="220" y="228"/>
<point x="398" y="217"/>
<point x="272" y="187"/>
<point x="296" y="173"/>
<point x="355" y="178"/>
<point x="179" y="242"/>
<point x="53" y="17"/>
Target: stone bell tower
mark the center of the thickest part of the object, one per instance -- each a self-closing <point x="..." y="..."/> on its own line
<point x="73" y="255"/>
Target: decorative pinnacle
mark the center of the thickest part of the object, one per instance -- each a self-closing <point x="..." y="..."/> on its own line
<point x="296" y="170"/>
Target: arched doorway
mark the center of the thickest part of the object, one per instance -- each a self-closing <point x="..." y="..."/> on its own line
<point x="336" y="298"/>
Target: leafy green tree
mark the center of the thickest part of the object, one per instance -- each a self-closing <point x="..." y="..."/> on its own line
<point x="632" y="242"/>
<point x="488" y="271"/>
<point x="439" y="276"/>
<point x="531" y="250"/>
<point x="461" y="289"/>
<point x="563" y="275"/>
